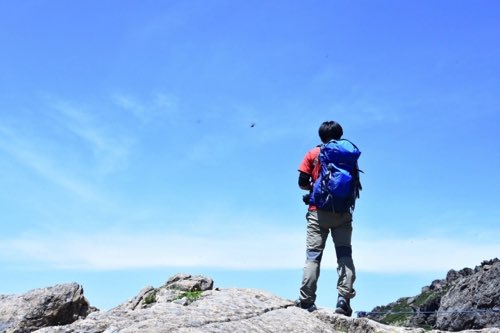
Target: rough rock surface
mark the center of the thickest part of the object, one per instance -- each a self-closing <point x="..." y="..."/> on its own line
<point x="190" y="304"/>
<point x="58" y="305"/>
<point x="465" y="299"/>
<point x="473" y="301"/>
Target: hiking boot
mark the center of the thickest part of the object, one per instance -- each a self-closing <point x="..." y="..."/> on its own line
<point x="343" y="306"/>
<point x="308" y="307"/>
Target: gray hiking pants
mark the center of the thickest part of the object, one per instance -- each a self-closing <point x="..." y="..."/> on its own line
<point x="319" y="225"/>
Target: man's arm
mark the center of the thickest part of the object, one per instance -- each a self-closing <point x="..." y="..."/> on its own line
<point x="304" y="181"/>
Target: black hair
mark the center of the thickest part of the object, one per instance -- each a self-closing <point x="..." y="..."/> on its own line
<point x="330" y="130"/>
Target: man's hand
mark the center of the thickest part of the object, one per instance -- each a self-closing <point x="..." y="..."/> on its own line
<point x="306" y="198"/>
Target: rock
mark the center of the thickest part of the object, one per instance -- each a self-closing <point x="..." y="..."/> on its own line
<point x="189" y="304"/>
<point x="142" y="299"/>
<point x="226" y="311"/>
<point x="437" y="284"/>
<point x="186" y="282"/>
<point x="359" y="325"/>
<point x="466" y="299"/>
<point x="425" y="314"/>
<point x="213" y="311"/>
<point x="454" y="275"/>
<point x="473" y="301"/>
<point x="180" y="289"/>
<point x="398" y="313"/>
<point x="58" y="305"/>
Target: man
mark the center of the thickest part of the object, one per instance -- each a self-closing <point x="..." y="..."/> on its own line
<point x="319" y="224"/>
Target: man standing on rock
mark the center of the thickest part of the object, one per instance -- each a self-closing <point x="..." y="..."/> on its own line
<point x="319" y="166"/>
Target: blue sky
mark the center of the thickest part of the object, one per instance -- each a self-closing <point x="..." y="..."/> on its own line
<point x="127" y="152"/>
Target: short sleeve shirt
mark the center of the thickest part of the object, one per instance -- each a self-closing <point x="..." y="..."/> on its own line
<point x="310" y="165"/>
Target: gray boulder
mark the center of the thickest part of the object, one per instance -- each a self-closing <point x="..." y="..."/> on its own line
<point x="187" y="282"/>
<point x="473" y="301"/>
<point x="181" y="289"/>
<point x="465" y="299"/>
<point x="58" y="305"/>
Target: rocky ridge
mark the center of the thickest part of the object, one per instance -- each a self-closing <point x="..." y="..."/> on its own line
<point x="465" y="299"/>
<point x="184" y="303"/>
<point x="57" y="305"/>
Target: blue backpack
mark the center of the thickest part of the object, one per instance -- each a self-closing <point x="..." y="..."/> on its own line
<point x="338" y="185"/>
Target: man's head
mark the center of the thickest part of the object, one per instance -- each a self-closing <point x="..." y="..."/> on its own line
<point x="330" y="130"/>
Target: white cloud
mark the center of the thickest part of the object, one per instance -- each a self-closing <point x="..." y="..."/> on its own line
<point x="248" y="248"/>
<point x="422" y="254"/>
<point x="109" y="148"/>
<point x="115" y="250"/>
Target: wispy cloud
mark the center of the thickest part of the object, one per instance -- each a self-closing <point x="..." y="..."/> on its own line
<point x="159" y="105"/>
<point x="29" y="154"/>
<point x="116" y="250"/>
<point x="66" y="144"/>
<point x="110" y="148"/>
<point x="422" y="254"/>
<point x="255" y="248"/>
<point x="131" y="105"/>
